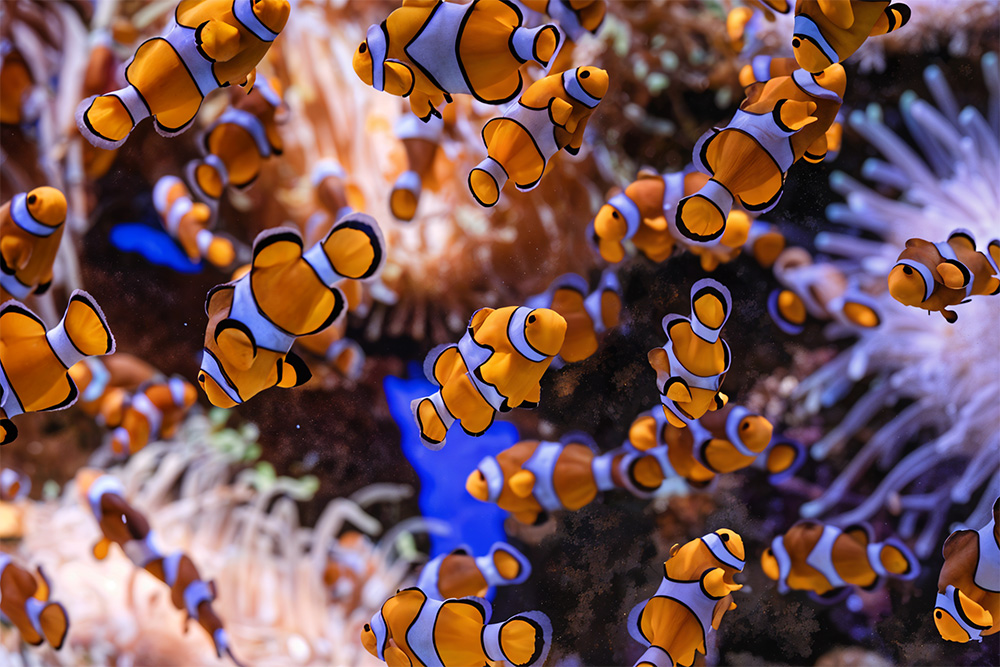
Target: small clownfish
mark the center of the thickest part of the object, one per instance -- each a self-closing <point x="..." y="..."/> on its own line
<point x="779" y="122"/>
<point x="551" y="115"/>
<point x="207" y="45"/>
<point x="694" y="595"/>
<point x="98" y="379"/>
<point x="575" y="17"/>
<point x="24" y="602"/>
<point x="818" y="289"/>
<point x="413" y="629"/>
<point x="692" y="364"/>
<point x="188" y="223"/>
<point x="459" y="574"/>
<point x="31" y="227"/>
<point x="587" y="314"/>
<point x="349" y="567"/>
<point x="496" y="366"/>
<point x="830" y="31"/>
<point x="14" y="485"/>
<point x="934" y="276"/>
<point x="120" y="523"/>
<point x="421" y="142"/>
<point x="429" y="50"/>
<point x="151" y="413"/>
<point x="531" y="479"/>
<point x="820" y="558"/>
<point x="16" y="82"/>
<point x="238" y="142"/>
<point x="34" y="363"/>
<point x="968" y="600"/>
<point x="761" y="239"/>
<point x="287" y="293"/>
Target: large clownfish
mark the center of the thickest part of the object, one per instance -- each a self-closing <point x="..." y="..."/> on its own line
<point x="413" y="629"/>
<point x="496" y="366"/>
<point x="34" y="362"/>
<point x="830" y="31"/>
<point x="968" y="600"/>
<point x="429" y="50"/>
<point x="421" y="142"/>
<point x="459" y="574"/>
<point x="551" y="115"/>
<point x="31" y="227"/>
<point x="587" y="314"/>
<point x="287" y="293"/>
<point x="24" y="602"/>
<point x="779" y="122"/>
<point x="208" y="44"/>
<point x="934" y="276"/>
<point x="694" y="595"/>
<point x="188" y="223"/>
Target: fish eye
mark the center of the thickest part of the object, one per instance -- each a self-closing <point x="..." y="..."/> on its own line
<point x="767" y="552"/>
<point x="584" y="74"/>
<point x="937" y="614"/>
<point x="907" y="270"/>
<point x="724" y="537"/>
<point x="531" y="319"/>
<point x="481" y="476"/>
<point x="32" y="199"/>
<point x="363" y="48"/>
<point x="201" y="377"/>
<point x="368" y="628"/>
<point x="796" y="43"/>
<point x="614" y="214"/>
<point x="745" y="425"/>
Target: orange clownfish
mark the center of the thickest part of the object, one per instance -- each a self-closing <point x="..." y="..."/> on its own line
<point x="459" y="574"/>
<point x="692" y="364"/>
<point x="16" y="81"/>
<point x="208" y="44"/>
<point x="742" y="22"/>
<point x="413" y="629"/>
<point x="120" y="523"/>
<point x="99" y="379"/>
<point x="429" y="50"/>
<point x="830" y="31"/>
<point x="780" y="121"/>
<point x="151" y="413"/>
<point x="31" y="227"/>
<point x="34" y="362"/>
<point x="287" y="293"/>
<point x="934" y="276"/>
<point x="24" y="602"/>
<point x="762" y="240"/>
<point x="497" y="366"/>
<point x="551" y="115"/>
<point x="821" y="558"/>
<point x="421" y="142"/>
<point x="330" y="345"/>
<point x="13" y="485"/>
<point x="575" y="17"/>
<point x="694" y="595"/>
<point x="188" y="223"/>
<point x="587" y="314"/>
<point x="968" y="600"/>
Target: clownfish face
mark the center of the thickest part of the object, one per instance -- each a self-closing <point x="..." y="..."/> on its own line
<point x="477" y="486"/>
<point x="733" y="542"/>
<point x="593" y="80"/>
<point x="272" y="13"/>
<point x="906" y="285"/>
<point x="808" y="55"/>
<point x="397" y="77"/>
<point x="949" y="628"/>
<point x="368" y="640"/>
<point x="755" y="432"/>
<point x="610" y="224"/>
<point x="47" y="206"/>
<point x="545" y="330"/>
<point x="362" y="62"/>
<point x="769" y="564"/>
<point x="216" y="395"/>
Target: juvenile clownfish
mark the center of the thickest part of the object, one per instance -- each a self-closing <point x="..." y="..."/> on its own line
<point x="97" y="379"/>
<point x="575" y="17"/>
<point x="120" y="523"/>
<point x="587" y="314"/>
<point x="692" y="364"/>
<point x="531" y="478"/>
<point x="253" y="321"/>
<point x="934" y="276"/>
<point x="14" y="485"/>
<point x="968" y="600"/>
<point x="497" y="366"/>
<point x="413" y="629"/>
<point x="778" y="123"/>
<point x="830" y="31"/>
<point x="821" y="558"/>
<point x="33" y="362"/>
<point x="238" y="142"/>
<point x="31" y="227"/>
<point x="188" y="223"/>
<point x="429" y="50"/>
<point x="694" y="595"/>
<point x="151" y="413"/>
<point x="24" y="602"/>
<point x="818" y="289"/>
<point x="421" y="142"/>
<point x="207" y="45"/>
<point x="459" y="574"/>
<point x="551" y="115"/>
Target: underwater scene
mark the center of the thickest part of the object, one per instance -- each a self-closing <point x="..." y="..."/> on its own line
<point x="464" y="333"/>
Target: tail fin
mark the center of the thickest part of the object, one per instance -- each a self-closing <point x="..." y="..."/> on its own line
<point x="894" y="17"/>
<point x="49" y="620"/>
<point x="787" y="311"/>
<point x="486" y="181"/>
<point x="354" y="248"/>
<point x="538" y="44"/>
<point x="405" y="196"/>
<point x="107" y="120"/>
<point x="219" y="251"/>
<point x="504" y="565"/>
<point x="208" y="178"/>
<point x="347" y="357"/>
<point x="701" y="217"/>
<point x="433" y="419"/>
<point x="782" y="458"/>
<point x="83" y="331"/>
<point x="522" y="640"/>
<point x="857" y="308"/>
<point x="894" y="559"/>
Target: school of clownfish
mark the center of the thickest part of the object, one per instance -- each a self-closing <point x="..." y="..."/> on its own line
<point x="297" y="291"/>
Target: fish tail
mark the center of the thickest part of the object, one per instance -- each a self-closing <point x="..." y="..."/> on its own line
<point x="642" y="472"/>
<point x="405" y="196"/>
<point x="894" y="559"/>
<point x="49" y="620"/>
<point x="894" y="17"/>
<point x="347" y="357"/>
<point x="433" y="419"/>
<point x="486" y="181"/>
<point x="522" y="640"/>
<point x="208" y="177"/>
<point x="787" y="311"/>
<point x="655" y="657"/>
<point x="504" y="565"/>
<point x="107" y="120"/>
<point x="538" y="44"/>
<point x="355" y="247"/>
<point x="782" y="458"/>
<point x="83" y="331"/>
<point x="701" y="217"/>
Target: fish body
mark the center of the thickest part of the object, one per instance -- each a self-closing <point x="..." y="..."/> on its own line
<point x="421" y="141"/>
<point x="413" y="629"/>
<point x="31" y="228"/>
<point x="151" y="413"/>
<point x="830" y="31"/>
<point x="550" y="116"/>
<point x="496" y="366"/>
<point x="24" y="602"/>
<point x="208" y="44"/>
<point x="189" y="223"/>
<point x="459" y="574"/>
<point x="34" y="362"/>
<point x="588" y="314"/>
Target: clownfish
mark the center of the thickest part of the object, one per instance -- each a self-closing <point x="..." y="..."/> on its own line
<point x="742" y="22"/>
<point x="150" y="413"/>
<point x="694" y="595"/>
<point x="818" y="289"/>
<point x="692" y="364"/>
<point x="34" y="362"/>
<point x="335" y="197"/>
<point x="238" y="142"/>
<point x="780" y="121"/>
<point x="421" y="142"/>
<point x="782" y="459"/>
<point x="349" y="566"/>
<point x="575" y="17"/>
<point x="287" y="293"/>
<point x="24" y="602"/>
<point x="16" y="82"/>
<point x="102" y="69"/>
<point x="97" y="379"/>
<point x="413" y="629"/>
<point x="587" y="314"/>
<point x="830" y="31"/>
<point x="208" y="44"/>
<point x="496" y="366"/>
<point x="934" y="276"/>
<point x="531" y="479"/>
<point x="188" y="223"/>
<point x="820" y="558"/>
<point x="459" y="574"/>
<point x="968" y="599"/>
<point x="31" y="227"/>
<point x="551" y="115"/>
<point x="330" y="345"/>
<point x="762" y="240"/>
<point x="14" y="485"/>
<point x="429" y="50"/>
